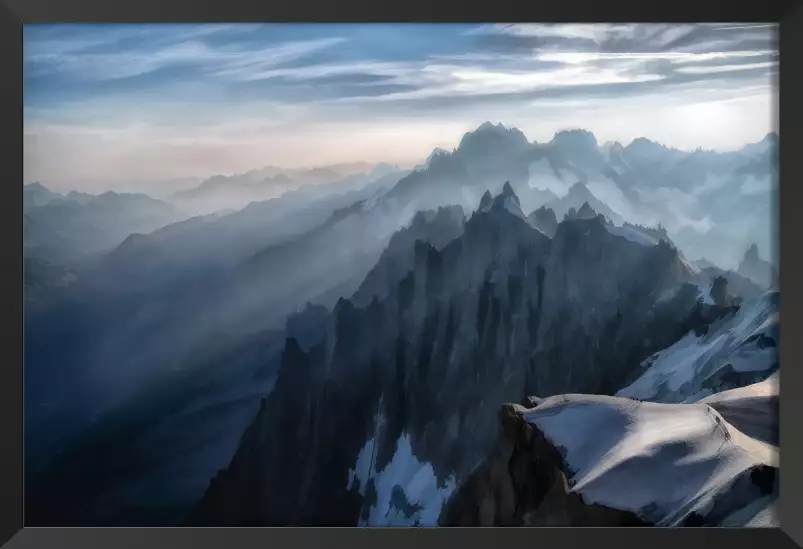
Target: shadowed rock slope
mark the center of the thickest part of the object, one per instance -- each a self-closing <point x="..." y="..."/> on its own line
<point x="377" y="418"/>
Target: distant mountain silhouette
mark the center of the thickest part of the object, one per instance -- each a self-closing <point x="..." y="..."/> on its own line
<point x="757" y="269"/>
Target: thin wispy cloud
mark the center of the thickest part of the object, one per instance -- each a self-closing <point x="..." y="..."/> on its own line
<point x="160" y="83"/>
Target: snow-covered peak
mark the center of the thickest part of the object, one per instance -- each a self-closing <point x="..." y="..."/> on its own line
<point x="675" y="460"/>
<point x="511" y="204"/>
<point x="767" y="387"/>
<point x="507" y="190"/>
<point x="505" y="200"/>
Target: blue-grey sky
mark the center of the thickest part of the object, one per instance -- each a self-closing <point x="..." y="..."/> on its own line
<point x="114" y="104"/>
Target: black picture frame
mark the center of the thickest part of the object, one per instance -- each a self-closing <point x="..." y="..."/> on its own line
<point x="15" y="13"/>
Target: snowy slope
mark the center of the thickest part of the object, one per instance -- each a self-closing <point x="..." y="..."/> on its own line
<point x="765" y="389"/>
<point x="633" y="235"/>
<point x="752" y="409"/>
<point x="407" y="491"/>
<point x="676" y="461"/>
<point x="737" y="350"/>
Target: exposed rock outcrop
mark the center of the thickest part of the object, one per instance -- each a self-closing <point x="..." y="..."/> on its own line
<point x="544" y="220"/>
<point x="586" y="211"/>
<point x="585" y="460"/>
<point x="523" y="483"/>
<point x="757" y="269"/>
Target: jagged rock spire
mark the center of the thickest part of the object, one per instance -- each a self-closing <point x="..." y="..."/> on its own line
<point x="586" y="211"/>
<point x="486" y="200"/>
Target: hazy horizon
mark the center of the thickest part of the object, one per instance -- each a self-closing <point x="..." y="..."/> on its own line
<point x="192" y="180"/>
<point x="114" y="106"/>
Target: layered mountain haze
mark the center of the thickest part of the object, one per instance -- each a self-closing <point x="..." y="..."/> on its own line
<point x="333" y="346"/>
<point x="171" y="287"/>
<point x="234" y="192"/>
<point x="66" y="229"/>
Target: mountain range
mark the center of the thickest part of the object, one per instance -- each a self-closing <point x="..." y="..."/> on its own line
<point x="65" y="229"/>
<point x="500" y="312"/>
<point x="338" y="354"/>
<point x="237" y="191"/>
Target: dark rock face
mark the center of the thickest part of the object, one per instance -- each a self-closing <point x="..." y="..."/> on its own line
<point x="499" y="312"/>
<point x="544" y="219"/>
<point x="435" y="227"/>
<point x="524" y="483"/>
<point x="586" y="211"/>
<point x="486" y="200"/>
<point x="602" y="312"/>
<point x="658" y="233"/>
<point x="719" y="291"/>
<point x="739" y="287"/>
<point x="757" y="269"/>
<point x="572" y="203"/>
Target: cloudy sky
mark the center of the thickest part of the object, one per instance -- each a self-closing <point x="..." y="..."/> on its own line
<point x="111" y="105"/>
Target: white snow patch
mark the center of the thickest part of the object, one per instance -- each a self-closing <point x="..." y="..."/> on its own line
<point x="660" y="461"/>
<point x="362" y="469"/>
<point x="766" y="515"/>
<point x="417" y="480"/>
<point x="704" y="295"/>
<point x="633" y="235"/>
<point x="678" y="372"/>
<point x="766" y="388"/>
<point x="513" y="207"/>
<point x="744" y="516"/>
